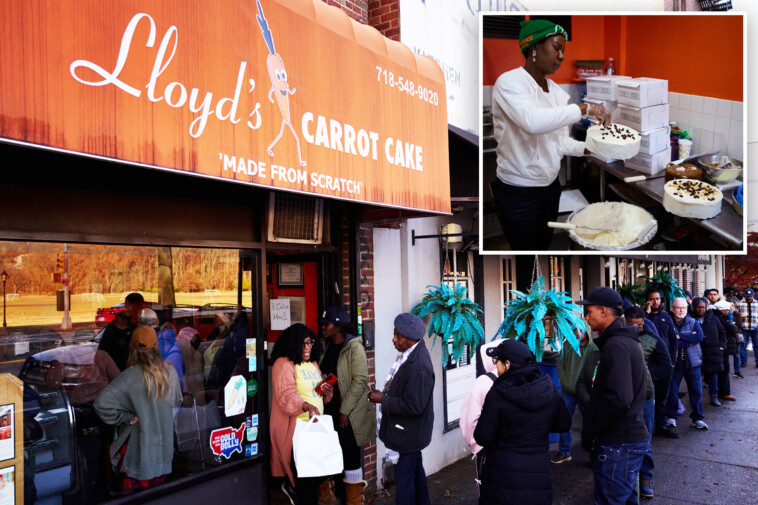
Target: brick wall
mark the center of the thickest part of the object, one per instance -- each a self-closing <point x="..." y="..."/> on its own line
<point x="384" y="15"/>
<point x="366" y="297"/>
<point x="345" y="287"/>
<point x="366" y="286"/>
<point x="356" y="9"/>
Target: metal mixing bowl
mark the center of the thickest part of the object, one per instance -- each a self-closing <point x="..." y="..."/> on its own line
<point x="715" y="175"/>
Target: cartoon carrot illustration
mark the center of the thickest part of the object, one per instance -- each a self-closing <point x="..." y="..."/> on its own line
<point x="279" y="86"/>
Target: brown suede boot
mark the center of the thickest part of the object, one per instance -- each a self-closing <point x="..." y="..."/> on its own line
<point x="326" y="493"/>
<point x="354" y="492"/>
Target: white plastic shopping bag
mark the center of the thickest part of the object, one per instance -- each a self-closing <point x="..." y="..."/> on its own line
<point x="316" y="448"/>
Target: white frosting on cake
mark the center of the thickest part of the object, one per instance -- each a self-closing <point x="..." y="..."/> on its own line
<point x="626" y="221"/>
<point x="616" y="141"/>
<point x="691" y="198"/>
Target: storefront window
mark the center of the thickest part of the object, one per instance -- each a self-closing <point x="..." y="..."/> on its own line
<point x="200" y="304"/>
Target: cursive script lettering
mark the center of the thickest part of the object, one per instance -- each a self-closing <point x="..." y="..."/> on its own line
<point x="175" y="94"/>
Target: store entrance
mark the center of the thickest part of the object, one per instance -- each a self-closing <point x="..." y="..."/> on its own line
<point x="292" y="281"/>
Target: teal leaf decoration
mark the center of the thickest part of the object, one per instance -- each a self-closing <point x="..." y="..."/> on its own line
<point x="452" y="316"/>
<point x="525" y="313"/>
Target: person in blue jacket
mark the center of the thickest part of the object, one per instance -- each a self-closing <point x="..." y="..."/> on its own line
<point x="170" y="350"/>
<point x="689" y="358"/>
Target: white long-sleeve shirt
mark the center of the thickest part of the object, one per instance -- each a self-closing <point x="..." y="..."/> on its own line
<point x="531" y="129"/>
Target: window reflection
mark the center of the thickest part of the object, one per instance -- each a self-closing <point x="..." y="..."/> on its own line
<point x="188" y="296"/>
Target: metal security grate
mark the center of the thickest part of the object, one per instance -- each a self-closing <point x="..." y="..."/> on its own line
<point x="296" y="218"/>
<point x="715" y="5"/>
<point x="507" y="26"/>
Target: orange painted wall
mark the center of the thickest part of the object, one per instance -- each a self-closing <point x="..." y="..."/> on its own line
<point x="666" y="47"/>
<point x="699" y="55"/>
<point x="501" y="55"/>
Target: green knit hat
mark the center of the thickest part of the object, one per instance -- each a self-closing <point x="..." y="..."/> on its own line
<point x="537" y="30"/>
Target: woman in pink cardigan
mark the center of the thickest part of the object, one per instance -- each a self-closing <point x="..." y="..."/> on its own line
<point x="472" y="405"/>
<point x="295" y="377"/>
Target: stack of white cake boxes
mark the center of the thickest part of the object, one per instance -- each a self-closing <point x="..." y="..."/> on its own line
<point x="640" y="103"/>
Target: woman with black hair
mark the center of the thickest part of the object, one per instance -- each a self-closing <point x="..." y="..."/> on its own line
<point x="294" y="379"/>
<point x="531" y="116"/>
<point x="521" y="409"/>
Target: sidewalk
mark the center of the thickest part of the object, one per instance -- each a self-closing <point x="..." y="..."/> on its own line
<point x="712" y="467"/>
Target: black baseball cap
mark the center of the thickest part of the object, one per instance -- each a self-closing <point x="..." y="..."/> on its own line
<point x="604" y="297"/>
<point x="334" y="315"/>
<point x="513" y="351"/>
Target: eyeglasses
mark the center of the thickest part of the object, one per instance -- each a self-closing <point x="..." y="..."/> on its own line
<point x="494" y="361"/>
<point x="308" y="342"/>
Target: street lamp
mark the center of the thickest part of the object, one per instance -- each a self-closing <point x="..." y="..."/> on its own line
<point x="4" y="277"/>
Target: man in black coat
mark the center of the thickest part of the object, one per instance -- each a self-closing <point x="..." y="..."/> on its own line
<point x="656" y="313"/>
<point x="713" y="345"/>
<point x="407" y="413"/>
<point x="721" y="311"/>
<point x="614" y="426"/>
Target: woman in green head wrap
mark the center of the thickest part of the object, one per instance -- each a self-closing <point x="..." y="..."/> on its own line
<point x="531" y="117"/>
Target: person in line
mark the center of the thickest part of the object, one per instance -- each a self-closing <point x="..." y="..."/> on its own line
<point x="103" y="372"/>
<point x="732" y="295"/>
<point x="656" y="313"/>
<point x="352" y="414"/>
<point x="193" y="363"/>
<point x="688" y="298"/>
<point x="569" y="366"/>
<point x="141" y="402"/>
<point x="689" y="358"/>
<point x="711" y="295"/>
<point x="209" y="348"/>
<point x="407" y="409"/>
<point x="531" y="115"/>
<point x="294" y="378"/>
<point x="658" y="363"/>
<point x="721" y="311"/>
<point x="166" y="341"/>
<point x="613" y="426"/>
<point x="520" y="411"/>
<point x="474" y="401"/>
<point x="737" y="359"/>
<point x="748" y="308"/>
<point x="713" y="345"/>
<point x="115" y="339"/>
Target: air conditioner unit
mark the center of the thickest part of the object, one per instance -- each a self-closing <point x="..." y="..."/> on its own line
<point x="294" y="218"/>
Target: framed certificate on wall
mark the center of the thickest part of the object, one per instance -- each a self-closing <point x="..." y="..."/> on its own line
<point x="290" y="275"/>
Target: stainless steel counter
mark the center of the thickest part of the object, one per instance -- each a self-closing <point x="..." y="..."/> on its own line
<point x="728" y="224"/>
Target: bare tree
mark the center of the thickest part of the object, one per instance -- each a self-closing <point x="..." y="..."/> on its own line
<point x="166" y="294"/>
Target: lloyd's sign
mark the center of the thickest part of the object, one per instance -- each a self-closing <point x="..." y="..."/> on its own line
<point x="288" y="94"/>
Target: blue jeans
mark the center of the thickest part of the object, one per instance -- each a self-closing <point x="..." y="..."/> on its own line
<point x="750" y="335"/>
<point x="741" y="354"/>
<point x="616" y="468"/>
<point x="410" y="480"/>
<point x="551" y="370"/>
<point x="712" y="379"/>
<point x="694" y="390"/>
<point x="646" y="469"/>
<point x="564" y="440"/>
